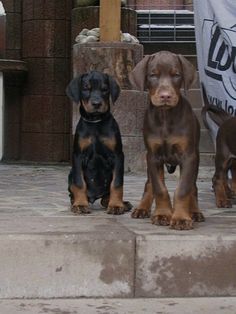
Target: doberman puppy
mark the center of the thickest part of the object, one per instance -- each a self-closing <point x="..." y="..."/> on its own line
<point x="171" y="136"/>
<point x="225" y="158"/>
<point x="98" y="160"/>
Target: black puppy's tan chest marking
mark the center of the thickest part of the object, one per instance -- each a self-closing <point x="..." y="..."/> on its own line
<point x="85" y="142"/>
<point x="109" y="142"/>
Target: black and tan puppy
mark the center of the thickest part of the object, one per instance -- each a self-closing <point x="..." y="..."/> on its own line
<point x="98" y="160"/>
<point x="171" y="135"/>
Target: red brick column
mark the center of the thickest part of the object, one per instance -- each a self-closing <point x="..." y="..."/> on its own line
<point x="45" y="129"/>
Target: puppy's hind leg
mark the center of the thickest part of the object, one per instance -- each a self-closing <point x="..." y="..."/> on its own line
<point x="78" y="189"/>
<point x="116" y="204"/>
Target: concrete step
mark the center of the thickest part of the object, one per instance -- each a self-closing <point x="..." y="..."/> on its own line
<point x="206" y="144"/>
<point x="100" y="256"/>
<point x="194" y="97"/>
<point x="197" y="112"/>
<point x="207" y="159"/>
<point x="121" y="306"/>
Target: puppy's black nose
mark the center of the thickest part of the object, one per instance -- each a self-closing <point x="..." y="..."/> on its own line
<point x="96" y="104"/>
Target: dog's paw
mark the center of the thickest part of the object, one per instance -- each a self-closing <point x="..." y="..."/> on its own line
<point x="162" y="220"/>
<point x="198" y="217"/>
<point x="140" y="213"/>
<point x="80" y="210"/>
<point x="223" y="203"/>
<point x="181" y="224"/>
<point x="115" y="210"/>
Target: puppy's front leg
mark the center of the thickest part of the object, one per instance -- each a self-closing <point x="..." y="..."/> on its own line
<point x="78" y="188"/>
<point x="116" y="204"/>
<point x="163" y="211"/>
<point x="143" y="210"/>
<point x="185" y="198"/>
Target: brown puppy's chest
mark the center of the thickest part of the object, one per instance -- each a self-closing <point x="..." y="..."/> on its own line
<point x="169" y="149"/>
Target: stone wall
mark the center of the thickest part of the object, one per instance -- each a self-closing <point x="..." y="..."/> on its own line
<point x="37" y="118"/>
<point x="12" y="112"/>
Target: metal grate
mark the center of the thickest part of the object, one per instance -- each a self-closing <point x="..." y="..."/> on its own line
<point x="165" y="23"/>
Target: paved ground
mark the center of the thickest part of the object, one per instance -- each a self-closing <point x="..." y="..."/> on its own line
<point x="42" y="191"/>
<point x="121" y="306"/>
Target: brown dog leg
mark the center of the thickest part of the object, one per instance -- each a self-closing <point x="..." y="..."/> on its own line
<point x="233" y="182"/>
<point x="197" y="215"/>
<point x="220" y="181"/>
<point x="185" y="197"/>
<point x="220" y="187"/>
<point x="144" y="208"/>
<point x="163" y="211"/>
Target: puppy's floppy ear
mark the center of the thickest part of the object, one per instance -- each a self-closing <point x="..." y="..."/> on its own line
<point x="137" y="76"/>
<point x="73" y="89"/>
<point x="114" y="89"/>
<point x="189" y="72"/>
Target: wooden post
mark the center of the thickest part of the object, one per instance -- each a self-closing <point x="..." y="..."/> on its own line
<point x="109" y="20"/>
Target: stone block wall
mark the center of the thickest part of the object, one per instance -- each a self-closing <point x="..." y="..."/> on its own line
<point x="13" y="92"/>
<point x="13" y="10"/>
<point x="46" y="110"/>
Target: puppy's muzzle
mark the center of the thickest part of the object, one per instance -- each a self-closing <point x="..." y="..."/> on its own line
<point x="96" y="104"/>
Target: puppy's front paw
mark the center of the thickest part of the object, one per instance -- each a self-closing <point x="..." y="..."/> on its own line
<point x="162" y="220"/>
<point x="80" y="210"/>
<point x="223" y="203"/>
<point x="115" y="210"/>
<point x="181" y="224"/>
<point x="140" y="213"/>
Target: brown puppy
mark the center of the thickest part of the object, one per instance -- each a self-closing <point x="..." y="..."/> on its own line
<point x="225" y="158"/>
<point x="171" y="135"/>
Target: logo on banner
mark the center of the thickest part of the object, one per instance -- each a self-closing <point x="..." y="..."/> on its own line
<point x="220" y="57"/>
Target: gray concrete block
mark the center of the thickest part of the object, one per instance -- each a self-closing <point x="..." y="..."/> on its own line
<point x="206" y="144"/>
<point x="207" y="159"/>
<point x="193" y="263"/>
<point x="195" y="98"/>
<point x="65" y="257"/>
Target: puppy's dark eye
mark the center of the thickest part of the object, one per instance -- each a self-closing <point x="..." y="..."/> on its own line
<point x="105" y="89"/>
<point x="176" y="75"/>
<point x="154" y="76"/>
<point x="86" y="87"/>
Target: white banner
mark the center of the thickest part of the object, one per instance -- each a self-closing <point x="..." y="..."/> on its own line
<point x="215" y="24"/>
